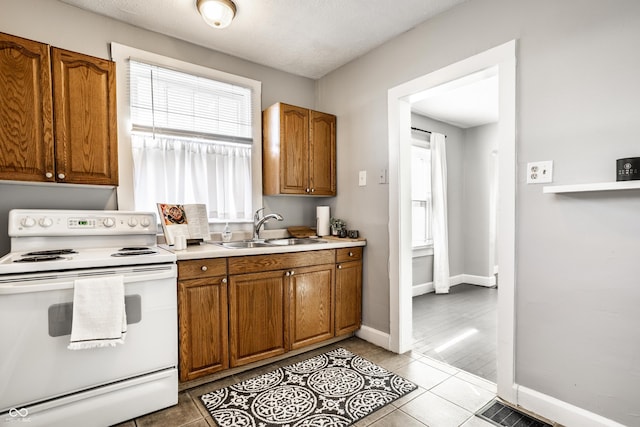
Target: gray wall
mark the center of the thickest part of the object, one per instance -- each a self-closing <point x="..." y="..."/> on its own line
<point x="64" y="26"/>
<point x="577" y="286"/>
<point x="479" y="142"/>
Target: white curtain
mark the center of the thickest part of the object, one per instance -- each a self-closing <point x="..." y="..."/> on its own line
<point x="172" y="170"/>
<point x="439" y="210"/>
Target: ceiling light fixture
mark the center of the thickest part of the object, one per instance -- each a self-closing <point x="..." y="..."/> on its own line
<point x="217" y="13"/>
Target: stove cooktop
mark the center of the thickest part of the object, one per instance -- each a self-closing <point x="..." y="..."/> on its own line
<point x="73" y="259"/>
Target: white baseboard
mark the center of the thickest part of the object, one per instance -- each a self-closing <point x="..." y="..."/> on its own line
<point x="560" y="411"/>
<point x="374" y="336"/>
<point x="421" y="289"/>
<point x="425" y="288"/>
<point x="479" y="280"/>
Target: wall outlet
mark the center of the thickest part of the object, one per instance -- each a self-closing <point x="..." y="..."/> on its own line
<point x="362" y="178"/>
<point x="540" y="172"/>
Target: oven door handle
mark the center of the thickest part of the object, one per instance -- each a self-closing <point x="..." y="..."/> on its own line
<point x="25" y="287"/>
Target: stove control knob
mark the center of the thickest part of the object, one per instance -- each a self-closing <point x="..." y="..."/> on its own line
<point x="45" y="222"/>
<point x="132" y="222"/>
<point x="109" y="222"/>
<point x="145" y="221"/>
<point x="27" y="222"/>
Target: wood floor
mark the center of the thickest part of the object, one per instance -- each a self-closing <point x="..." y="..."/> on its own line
<point x="458" y="328"/>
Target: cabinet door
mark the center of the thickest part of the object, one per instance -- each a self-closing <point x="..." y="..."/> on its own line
<point x="84" y="94"/>
<point x="258" y="316"/>
<point x="322" y="157"/>
<point x="294" y="141"/>
<point x="26" y="130"/>
<point x="348" y="297"/>
<point x="311" y="291"/>
<point x="202" y="318"/>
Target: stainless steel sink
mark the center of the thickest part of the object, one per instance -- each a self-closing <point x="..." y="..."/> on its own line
<point x="244" y="244"/>
<point x="293" y="241"/>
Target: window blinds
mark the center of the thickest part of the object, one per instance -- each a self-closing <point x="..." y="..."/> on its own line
<point x="173" y="103"/>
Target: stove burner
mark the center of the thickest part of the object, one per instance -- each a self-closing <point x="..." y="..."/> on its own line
<point x="39" y="258"/>
<point x="134" y="248"/>
<point x="51" y="252"/>
<point x="134" y="253"/>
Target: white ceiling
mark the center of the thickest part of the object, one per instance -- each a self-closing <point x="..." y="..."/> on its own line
<point x="309" y="38"/>
<point x="467" y="102"/>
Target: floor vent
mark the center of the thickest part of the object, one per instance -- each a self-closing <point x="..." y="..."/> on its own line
<point x="503" y="415"/>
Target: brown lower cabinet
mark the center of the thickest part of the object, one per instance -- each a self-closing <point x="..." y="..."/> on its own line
<point x="311" y="304"/>
<point x="258" y="316"/>
<point x="238" y="310"/>
<point x="202" y="317"/>
<point x="348" y="314"/>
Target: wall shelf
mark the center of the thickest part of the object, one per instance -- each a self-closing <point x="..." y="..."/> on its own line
<point x="600" y="186"/>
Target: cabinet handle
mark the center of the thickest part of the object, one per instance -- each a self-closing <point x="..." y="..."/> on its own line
<point x="350" y="253"/>
<point x="204" y="268"/>
<point x="224" y="281"/>
<point x="61" y="176"/>
<point x="339" y="267"/>
<point x="48" y="175"/>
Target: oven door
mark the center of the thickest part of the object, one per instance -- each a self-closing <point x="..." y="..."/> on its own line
<point x="35" y="327"/>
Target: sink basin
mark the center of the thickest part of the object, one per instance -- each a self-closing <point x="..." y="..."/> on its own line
<point x="293" y="241"/>
<point x="244" y="244"/>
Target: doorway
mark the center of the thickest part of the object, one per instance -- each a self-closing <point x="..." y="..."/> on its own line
<point x="459" y="327"/>
<point x="400" y="99"/>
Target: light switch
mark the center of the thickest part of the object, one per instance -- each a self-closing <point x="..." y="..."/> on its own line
<point x="362" y="178"/>
<point x="382" y="177"/>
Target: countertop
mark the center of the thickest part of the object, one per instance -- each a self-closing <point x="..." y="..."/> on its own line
<point x="213" y="250"/>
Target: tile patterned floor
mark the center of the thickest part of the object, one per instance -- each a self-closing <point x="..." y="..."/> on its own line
<point x="446" y="396"/>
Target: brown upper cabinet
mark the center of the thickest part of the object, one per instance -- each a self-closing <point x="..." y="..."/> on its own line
<point x="299" y="151"/>
<point x="57" y="115"/>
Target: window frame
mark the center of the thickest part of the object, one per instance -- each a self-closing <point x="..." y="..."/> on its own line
<point x="121" y="55"/>
<point x="426" y="248"/>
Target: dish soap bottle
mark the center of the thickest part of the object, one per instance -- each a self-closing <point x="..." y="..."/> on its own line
<point x="226" y="233"/>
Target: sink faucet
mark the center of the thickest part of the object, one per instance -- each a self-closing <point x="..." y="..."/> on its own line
<point x="258" y="222"/>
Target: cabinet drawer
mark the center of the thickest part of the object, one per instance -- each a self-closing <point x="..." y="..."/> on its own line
<point x="197" y="268"/>
<point x="258" y="263"/>
<point x="349" y="254"/>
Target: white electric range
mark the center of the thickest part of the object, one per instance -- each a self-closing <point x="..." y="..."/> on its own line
<point x="43" y="382"/>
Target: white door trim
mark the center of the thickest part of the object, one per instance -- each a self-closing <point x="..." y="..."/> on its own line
<point x="399" y="111"/>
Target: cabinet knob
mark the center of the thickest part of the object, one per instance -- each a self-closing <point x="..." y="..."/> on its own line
<point x="339" y="267"/>
<point x="48" y="175"/>
<point x="288" y="273"/>
<point x="61" y="176"/>
<point x="350" y="253"/>
<point x="292" y="272"/>
<point x="313" y="190"/>
<point x="224" y="281"/>
<point x="204" y="268"/>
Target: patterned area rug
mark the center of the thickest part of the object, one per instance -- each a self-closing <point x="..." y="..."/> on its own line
<point x="333" y="389"/>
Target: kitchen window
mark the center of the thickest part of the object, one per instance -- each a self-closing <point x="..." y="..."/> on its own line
<point x="193" y="134"/>
<point x="421" y="194"/>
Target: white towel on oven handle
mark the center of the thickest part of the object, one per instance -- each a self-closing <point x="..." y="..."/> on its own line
<point x="99" y="317"/>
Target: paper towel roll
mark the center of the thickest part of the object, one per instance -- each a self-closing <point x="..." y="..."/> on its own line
<point x="322" y="221"/>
